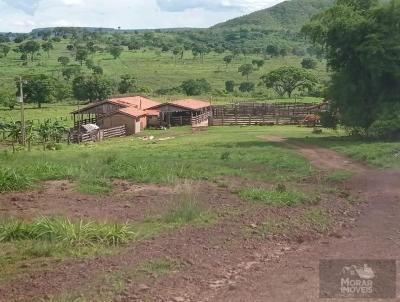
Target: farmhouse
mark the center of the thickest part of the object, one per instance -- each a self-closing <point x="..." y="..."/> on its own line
<point x="130" y="112"/>
<point x="183" y="112"/>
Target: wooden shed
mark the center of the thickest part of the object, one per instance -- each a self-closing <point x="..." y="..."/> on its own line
<point x="95" y="112"/>
<point x="132" y="118"/>
<point x="183" y="112"/>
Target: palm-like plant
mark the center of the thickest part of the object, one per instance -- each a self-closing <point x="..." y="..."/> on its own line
<point x="14" y="132"/>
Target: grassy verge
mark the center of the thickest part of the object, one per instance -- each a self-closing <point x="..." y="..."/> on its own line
<point x="222" y="151"/>
<point x="339" y="176"/>
<point x="277" y="196"/>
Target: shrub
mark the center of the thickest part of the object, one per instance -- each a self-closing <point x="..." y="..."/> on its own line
<point x="65" y="231"/>
<point x="196" y="87"/>
<point x="246" y="86"/>
<point x="308" y="63"/>
<point x="387" y="126"/>
<point x="230" y="86"/>
<point x="12" y="180"/>
<point x="273" y="197"/>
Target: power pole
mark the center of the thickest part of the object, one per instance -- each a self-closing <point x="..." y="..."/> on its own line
<point x="21" y="99"/>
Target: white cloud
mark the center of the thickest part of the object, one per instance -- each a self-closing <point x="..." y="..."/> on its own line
<point x="24" y="15"/>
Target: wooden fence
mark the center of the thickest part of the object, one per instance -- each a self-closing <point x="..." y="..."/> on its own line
<point x="264" y="113"/>
<point x="99" y="135"/>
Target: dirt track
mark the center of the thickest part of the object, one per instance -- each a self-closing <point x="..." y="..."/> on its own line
<point x="222" y="265"/>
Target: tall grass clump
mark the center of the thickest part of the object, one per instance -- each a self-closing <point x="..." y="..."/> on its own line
<point x="66" y="231"/>
<point x="277" y="196"/>
<point x="13" y="180"/>
<point x="185" y="208"/>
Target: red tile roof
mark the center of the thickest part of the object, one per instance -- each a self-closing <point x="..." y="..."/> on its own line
<point x="131" y="111"/>
<point x="135" y="101"/>
<point x="191" y="104"/>
<point x="138" y="102"/>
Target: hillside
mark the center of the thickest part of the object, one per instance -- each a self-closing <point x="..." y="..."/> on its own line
<point x="288" y="15"/>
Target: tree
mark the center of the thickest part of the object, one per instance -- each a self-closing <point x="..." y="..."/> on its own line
<point x="4" y="49"/>
<point x="177" y="51"/>
<point x="70" y="72"/>
<point x="47" y="46"/>
<point x="92" y="88"/>
<point x="38" y="89"/>
<point x="228" y="59"/>
<point x="308" y="63"/>
<point x="81" y="55"/>
<point x="286" y="79"/>
<point x="8" y="98"/>
<point x="64" y="61"/>
<point x="30" y="47"/>
<point x="196" y="87"/>
<point x="116" y="51"/>
<point x="246" y="86"/>
<point x="258" y="63"/>
<point x="230" y="86"/>
<point x="97" y="69"/>
<point x="246" y="70"/>
<point x="127" y="84"/>
<point x="283" y="52"/>
<point x="272" y="50"/>
<point x="361" y="40"/>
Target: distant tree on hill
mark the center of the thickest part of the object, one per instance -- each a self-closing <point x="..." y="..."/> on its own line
<point x="7" y="98"/>
<point x="116" y="51"/>
<point x="246" y="70"/>
<point x="4" y="49"/>
<point x="258" y="63"/>
<point x="39" y="89"/>
<point x="308" y="63"/>
<point x="127" y="84"/>
<point x="228" y="59"/>
<point x="92" y="88"/>
<point x="97" y="69"/>
<point x="196" y="87"/>
<point x="246" y="86"/>
<point x="286" y="79"/>
<point x="272" y="50"/>
<point x="81" y="55"/>
<point x="30" y="47"/>
<point x="47" y="47"/>
<point x="64" y="61"/>
<point x="70" y="72"/>
<point x="230" y="86"/>
<point x="177" y="51"/>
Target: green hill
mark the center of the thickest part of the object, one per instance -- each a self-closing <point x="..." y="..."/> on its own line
<point x="288" y="15"/>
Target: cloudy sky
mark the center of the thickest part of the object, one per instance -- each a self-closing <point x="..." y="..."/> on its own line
<point x="24" y="15"/>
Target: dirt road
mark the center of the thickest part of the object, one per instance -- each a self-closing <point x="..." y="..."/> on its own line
<point x="375" y="236"/>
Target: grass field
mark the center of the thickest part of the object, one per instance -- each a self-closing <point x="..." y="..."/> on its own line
<point x="154" y="69"/>
<point x="222" y="151"/>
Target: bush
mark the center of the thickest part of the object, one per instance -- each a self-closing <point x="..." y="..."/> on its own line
<point x="309" y="63"/>
<point x="230" y="86"/>
<point x="387" y="126"/>
<point x="66" y="231"/>
<point x="12" y="180"/>
<point x="246" y="87"/>
<point x="329" y="120"/>
<point x="196" y="87"/>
